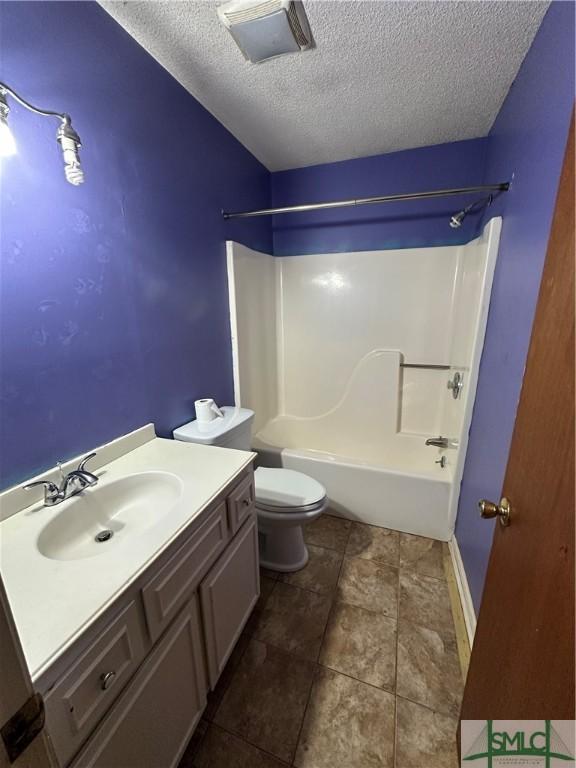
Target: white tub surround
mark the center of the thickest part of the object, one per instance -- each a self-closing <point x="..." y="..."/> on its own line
<point x="322" y="361"/>
<point x="55" y="600"/>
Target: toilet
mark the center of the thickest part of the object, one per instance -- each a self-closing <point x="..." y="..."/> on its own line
<point x="285" y="500"/>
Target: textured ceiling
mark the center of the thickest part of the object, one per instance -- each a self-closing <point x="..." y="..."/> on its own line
<point x="384" y="76"/>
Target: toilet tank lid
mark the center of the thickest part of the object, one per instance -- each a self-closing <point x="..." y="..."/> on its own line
<point x="212" y="433"/>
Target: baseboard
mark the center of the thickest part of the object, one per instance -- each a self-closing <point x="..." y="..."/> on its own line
<point x="463" y="589"/>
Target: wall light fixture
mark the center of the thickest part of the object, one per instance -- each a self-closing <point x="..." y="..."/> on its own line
<point x="66" y="135"/>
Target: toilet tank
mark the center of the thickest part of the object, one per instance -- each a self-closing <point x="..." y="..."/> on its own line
<point x="233" y="430"/>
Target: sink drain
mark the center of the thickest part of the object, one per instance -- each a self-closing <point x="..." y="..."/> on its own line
<point x="103" y="536"/>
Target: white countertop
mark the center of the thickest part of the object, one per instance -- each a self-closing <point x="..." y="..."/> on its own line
<point x="54" y="601"/>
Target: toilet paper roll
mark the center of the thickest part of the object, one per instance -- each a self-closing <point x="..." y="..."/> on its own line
<point x="207" y="410"/>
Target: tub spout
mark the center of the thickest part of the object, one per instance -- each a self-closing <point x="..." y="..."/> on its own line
<point x="439" y="442"/>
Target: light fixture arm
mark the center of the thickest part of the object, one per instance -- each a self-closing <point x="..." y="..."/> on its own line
<point x="66" y="135"/>
<point x="30" y="107"/>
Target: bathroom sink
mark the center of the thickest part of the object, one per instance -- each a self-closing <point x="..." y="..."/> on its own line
<point x="103" y="517"/>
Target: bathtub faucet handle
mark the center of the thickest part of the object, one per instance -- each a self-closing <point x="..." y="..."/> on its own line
<point x="438" y="442"/>
<point x="455" y="384"/>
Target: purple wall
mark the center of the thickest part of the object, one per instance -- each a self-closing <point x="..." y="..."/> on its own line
<point x="526" y="144"/>
<point x="113" y="295"/>
<point x="393" y="225"/>
<point x="114" y="308"/>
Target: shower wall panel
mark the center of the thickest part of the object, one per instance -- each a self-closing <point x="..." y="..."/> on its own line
<point x="306" y="329"/>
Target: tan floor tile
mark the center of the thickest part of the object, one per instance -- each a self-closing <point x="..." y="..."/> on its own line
<point x="294" y="619"/>
<point x="372" y="543"/>
<point x="220" y="749"/>
<point x="425" y="601"/>
<point x="266" y="573"/>
<point x="369" y="584"/>
<point x="348" y="724"/>
<point x="422" y="555"/>
<point x="215" y="697"/>
<point x="266" y="699"/>
<point x="266" y="587"/>
<point x="320" y="573"/>
<point x="428" y="669"/>
<point x="361" y="644"/>
<point x="328" y="531"/>
<point x="424" y="739"/>
<point x="193" y="747"/>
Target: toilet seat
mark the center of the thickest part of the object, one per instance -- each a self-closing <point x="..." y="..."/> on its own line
<point x="285" y="491"/>
<point x="290" y="510"/>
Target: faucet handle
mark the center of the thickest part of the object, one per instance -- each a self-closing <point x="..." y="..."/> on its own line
<point x="84" y="461"/>
<point x="51" y="490"/>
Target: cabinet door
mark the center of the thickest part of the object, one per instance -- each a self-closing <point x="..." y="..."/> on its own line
<point x="173" y="584"/>
<point x="153" y="719"/>
<point x="228" y="594"/>
<point x="79" y="700"/>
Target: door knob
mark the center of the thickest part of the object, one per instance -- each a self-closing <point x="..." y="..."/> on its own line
<point x="501" y="511"/>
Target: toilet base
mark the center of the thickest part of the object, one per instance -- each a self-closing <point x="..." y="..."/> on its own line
<point x="282" y="549"/>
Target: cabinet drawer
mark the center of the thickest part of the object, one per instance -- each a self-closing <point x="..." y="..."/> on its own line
<point x="175" y="582"/>
<point x="228" y="594"/>
<point x="150" y="724"/>
<point x="80" y="698"/>
<point x="241" y="503"/>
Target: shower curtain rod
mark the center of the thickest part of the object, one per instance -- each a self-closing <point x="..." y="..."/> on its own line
<point x="503" y="187"/>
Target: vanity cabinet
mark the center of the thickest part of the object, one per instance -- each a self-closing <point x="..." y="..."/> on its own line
<point x="155" y="716"/>
<point x="131" y="690"/>
<point x="94" y="681"/>
<point x="240" y="503"/>
<point x="228" y="594"/>
<point x="176" y="581"/>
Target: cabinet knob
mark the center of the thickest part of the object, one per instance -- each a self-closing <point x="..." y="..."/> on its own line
<point x="107" y="679"/>
<point x="246" y="502"/>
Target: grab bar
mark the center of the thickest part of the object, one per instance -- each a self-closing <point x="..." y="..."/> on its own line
<point x="425" y="365"/>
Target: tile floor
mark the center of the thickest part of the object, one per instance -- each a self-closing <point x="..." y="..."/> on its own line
<point x="350" y="663"/>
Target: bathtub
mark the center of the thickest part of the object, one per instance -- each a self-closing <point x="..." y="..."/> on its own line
<point x="395" y="484"/>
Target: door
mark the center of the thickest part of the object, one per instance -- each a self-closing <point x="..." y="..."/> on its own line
<point x="522" y="664"/>
<point x="23" y="740"/>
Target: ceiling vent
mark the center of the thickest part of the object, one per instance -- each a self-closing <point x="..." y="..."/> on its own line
<point x="264" y="29"/>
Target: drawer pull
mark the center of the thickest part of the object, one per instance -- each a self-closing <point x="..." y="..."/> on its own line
<point x="246" y="502"/>
<point x="106" y="680"/>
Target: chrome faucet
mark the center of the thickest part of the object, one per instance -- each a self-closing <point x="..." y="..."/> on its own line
<point x="72" y="484"/>
<point x="439" y="442"/>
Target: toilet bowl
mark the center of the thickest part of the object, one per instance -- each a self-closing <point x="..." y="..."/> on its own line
<point x="285" y="500"/>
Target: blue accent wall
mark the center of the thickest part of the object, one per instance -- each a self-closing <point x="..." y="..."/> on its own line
<point x="526" y="144"/>
<point x="114" y="307"/>
<point x="113" y="296"/>
<point x="391" y="225"/>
